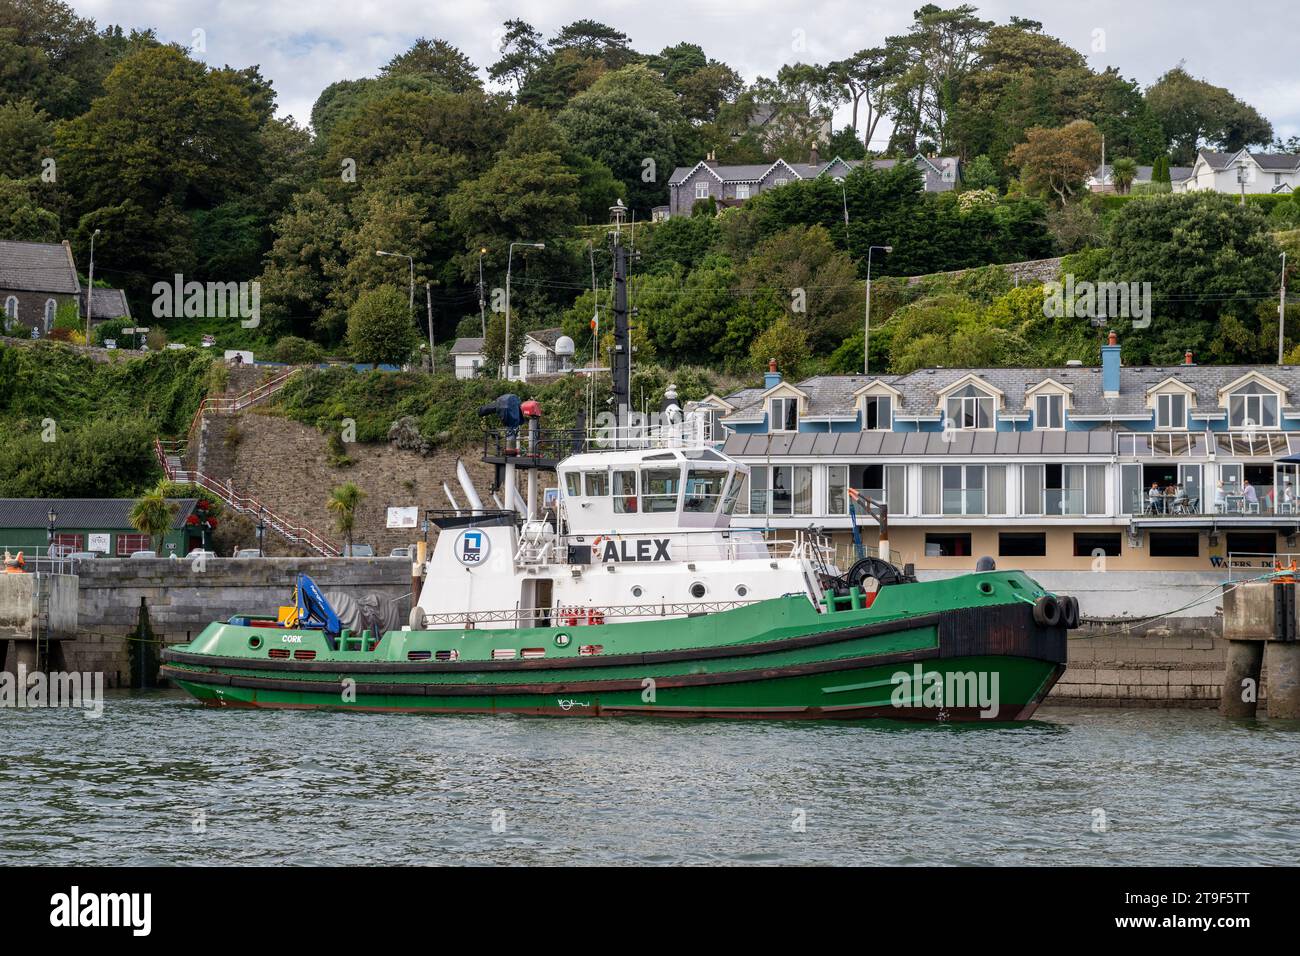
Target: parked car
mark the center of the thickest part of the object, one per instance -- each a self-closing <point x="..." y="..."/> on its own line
<point x="402" y="553"/>
<point x="83" y="555"/>
<point x="358" y="551"/>
<point x="248" y="553"/>
<point x="144" y="555"/>
<point x="200" y="553"/>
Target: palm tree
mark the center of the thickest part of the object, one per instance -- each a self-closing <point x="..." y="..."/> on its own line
<point x="1123" y="173"/>
<point x="153" y="515"/>
<point x="343" y="503"/>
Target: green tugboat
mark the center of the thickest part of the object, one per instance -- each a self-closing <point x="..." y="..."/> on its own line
<point x="630" y="593"/>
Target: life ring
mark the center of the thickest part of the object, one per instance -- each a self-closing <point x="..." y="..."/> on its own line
<point x="1047" y="611"/>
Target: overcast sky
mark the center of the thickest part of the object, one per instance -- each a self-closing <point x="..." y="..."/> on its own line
<point x="1249" y="46"/>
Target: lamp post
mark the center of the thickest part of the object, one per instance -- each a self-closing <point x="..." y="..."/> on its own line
<point x="90" y="286"/>
<point x="261" y="531"/>
<point x="1281" y="313"/>
<point x="866" y="325"/>
<point x="53" y="516"/>
<point x="400" y="255"/>
<point x="482" y="293"/>
<point x="505" y="349"/>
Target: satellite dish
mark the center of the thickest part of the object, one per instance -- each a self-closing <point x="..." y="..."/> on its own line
<point x="564" y="345"/>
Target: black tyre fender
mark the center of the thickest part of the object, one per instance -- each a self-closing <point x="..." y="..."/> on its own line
<point x="1047" y="611"/>
<point x="1070" y="611"/>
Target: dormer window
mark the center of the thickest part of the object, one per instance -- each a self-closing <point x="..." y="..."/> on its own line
<point x="1049" y="411"/>
<point x="742" y="191"/>
<point x="969" y="407"/>
<point x="1252" y="405"/>
<point x="780" y="181"/>
<point x="877" y="413"/>
<point x="1171" y="411"/>
<point x="784" y="414"/>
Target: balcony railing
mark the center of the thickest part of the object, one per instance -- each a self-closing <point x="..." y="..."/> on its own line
<point x="1233" y="501"/>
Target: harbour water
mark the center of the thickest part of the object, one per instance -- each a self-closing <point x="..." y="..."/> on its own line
<point x="160" y="780"/>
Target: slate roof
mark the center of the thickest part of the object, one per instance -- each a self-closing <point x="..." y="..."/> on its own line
<point x="1102" y="174"/>
<point x="754" y="172"/>
<point x="1274" y="161"/>
<point x="38" y="267"/>
<point x="546" y="337"/>
<point x="467" y="346"/>
<point x="108" y="514"/>
<point x="832" y="395"/>
<point x="109" y="304"/>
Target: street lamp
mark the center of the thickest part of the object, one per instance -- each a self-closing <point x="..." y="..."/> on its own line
<point x="90" y="286"/>
<point x="400" y="255"/>
<point x="1281" y="314"/>
<point x="866" y="325"/>
<point x="49" y="531"/>
<point x="482" y="293"/>
<point x="261" y="531"/>
<point x="509" y="263"/>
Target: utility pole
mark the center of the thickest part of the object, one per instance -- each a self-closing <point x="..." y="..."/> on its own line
<point x="510" y="258"/>
<point x="1281" y="314"/>
<point x="1103" y="159"/>
<point x="410" y="302"/>
<point x="428" y="305"/>
<point x="482" y="293"/>
<point x="90" y="288"/>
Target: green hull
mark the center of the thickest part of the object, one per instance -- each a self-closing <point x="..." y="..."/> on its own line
<point x="963" y="649"/>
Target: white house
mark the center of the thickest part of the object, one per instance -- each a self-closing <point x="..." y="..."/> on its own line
<point x="545" y="352"/>
<point x="1241" y="171"/>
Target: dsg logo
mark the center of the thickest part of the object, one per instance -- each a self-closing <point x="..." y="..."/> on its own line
<point x="472" y="548"/>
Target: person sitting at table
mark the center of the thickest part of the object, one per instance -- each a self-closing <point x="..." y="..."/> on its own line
<point x="1155" y="500"/>
<point x="1220" y="498"/>
<point x="1252" y="497"/>
<point x="1180" y="498"/>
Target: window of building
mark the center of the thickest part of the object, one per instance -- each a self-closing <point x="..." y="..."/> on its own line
<point x="1060" y="489"/>
<point x="1087" y="544"/>
<point x="1171" y="411"/>
<point x="780" y="181"/>
<point x="1251" y="543"/>
<point x="65" y="544"/>
<point x="11" y="307"/>
<point x="886" y="483"/>
<point x="1022" y="544"/>
<point x="1049" y="411"/>
<point x="701" y="190"/>
<point x="1252" y="404"/>
<point x="532" y="364"/>
<point x="964" y="489"/>
<point x="781" y="490"/>
<point x="1175" y="544"/>
<point x="784" y="414"/>
<point x="129" y="544"/>
<point x="51" y="309"/>
<point x="970" y="408"/>
<point x="947" y="545"/>
<point x="742" y="191"/>
<point x="877" y="412"/>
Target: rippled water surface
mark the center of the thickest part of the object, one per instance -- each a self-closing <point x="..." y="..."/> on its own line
<point x="268" y="787"/>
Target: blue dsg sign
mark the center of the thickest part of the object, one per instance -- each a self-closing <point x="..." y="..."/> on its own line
<point x="472" y="548"/>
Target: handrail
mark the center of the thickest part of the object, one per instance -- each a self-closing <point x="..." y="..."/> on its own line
<point x="578" y="616"/>
<point x="254" y="395"/>
<point x="245" y="504"/>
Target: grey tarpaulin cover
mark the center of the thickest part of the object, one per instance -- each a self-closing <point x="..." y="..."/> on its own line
<point x="367" y="611"/>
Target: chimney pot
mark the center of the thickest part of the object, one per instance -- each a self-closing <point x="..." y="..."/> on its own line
<point x="1187" y="358"/>
<point x="771" y="364"/>
<point x="1112" y="339"/>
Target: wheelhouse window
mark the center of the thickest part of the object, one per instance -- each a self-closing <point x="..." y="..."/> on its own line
<point x="970" y="408"/>
<point x="1171" y="411"/>
<point x="1252" y="405"/>
<point x="573" y="484"/>
<point x="785" y="414"/>
<point x="625" y="492"/>
<point x="877" y="413"/>
<point x="659" y="489"/>
<point x="596" y="483"/>
<point x="1049" y="411"/>
<point x="703" y="491"/>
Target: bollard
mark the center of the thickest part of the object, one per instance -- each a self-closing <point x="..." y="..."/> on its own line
<point x="1239" y="698"/>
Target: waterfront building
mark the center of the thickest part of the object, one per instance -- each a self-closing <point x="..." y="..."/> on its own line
<point x="89" y="525"/>
<point x="1151" y="468"/>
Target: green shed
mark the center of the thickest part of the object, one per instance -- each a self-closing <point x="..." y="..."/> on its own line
<point x="101" y="525"/>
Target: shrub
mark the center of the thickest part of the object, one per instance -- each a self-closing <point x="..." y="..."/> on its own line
<point x="293" y="350"/>
<point x="380" y="328"/>
<point x="111" y="329"/>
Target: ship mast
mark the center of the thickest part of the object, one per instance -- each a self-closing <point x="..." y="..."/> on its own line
<point x="622" y="364"/>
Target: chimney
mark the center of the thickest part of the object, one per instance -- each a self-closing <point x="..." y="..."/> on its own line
<point x="1187" y="358"/>
<point x="814" y="155"/>
<point x="773" y="377"/>
<point x="711" y="159"/>
<point x="1110" y="366"/>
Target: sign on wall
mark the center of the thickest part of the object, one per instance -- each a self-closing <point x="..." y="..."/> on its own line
<point x="98" y="543"/>
<point x="403" y="517"/>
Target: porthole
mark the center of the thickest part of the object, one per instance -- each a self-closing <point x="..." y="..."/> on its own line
<point x="698" y="590"/>
<point x="254" y="642"/>
<point x="637" y="591"/>
<point x="741" y="590"/>
<point x="562" y="640"/>
<point x="986" y="587"/>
